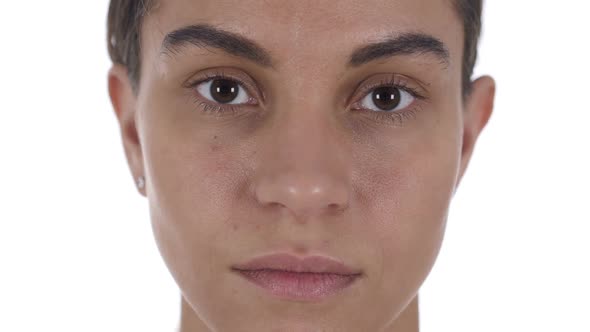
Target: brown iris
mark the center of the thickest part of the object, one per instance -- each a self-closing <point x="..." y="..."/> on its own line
<point x="386" y="97"/>
<point x="224" y="91"/>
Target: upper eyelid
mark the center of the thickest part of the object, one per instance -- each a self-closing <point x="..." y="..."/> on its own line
<point x="396" y="80"/>
<point x="194" y="82"/>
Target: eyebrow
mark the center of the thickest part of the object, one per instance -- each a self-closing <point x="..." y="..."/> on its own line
<point x="409" y="43"/>
<point x="205" y="36"/>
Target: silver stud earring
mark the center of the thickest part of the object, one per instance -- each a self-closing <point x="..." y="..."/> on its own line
<point x="140" y="182"/>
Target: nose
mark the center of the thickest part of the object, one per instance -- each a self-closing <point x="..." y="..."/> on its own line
<point x="304" y="166"/>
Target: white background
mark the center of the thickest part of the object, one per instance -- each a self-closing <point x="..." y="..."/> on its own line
<point x="76" y="248"/>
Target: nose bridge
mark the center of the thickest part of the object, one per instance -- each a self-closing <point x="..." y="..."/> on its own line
<point x="304" y="166"/>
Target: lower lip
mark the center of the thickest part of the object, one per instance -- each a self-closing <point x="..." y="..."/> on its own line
<point x="302" y="286"/>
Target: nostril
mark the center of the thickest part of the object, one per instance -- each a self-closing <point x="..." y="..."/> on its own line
<point x="336" y="208"/>
<point x="275" y="204"/>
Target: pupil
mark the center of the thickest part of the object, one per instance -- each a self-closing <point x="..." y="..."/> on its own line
<point x="386" y="97"/>
<point x="224" y="91"/>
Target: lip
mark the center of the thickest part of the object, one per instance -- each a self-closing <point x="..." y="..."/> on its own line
<point x="311" y="278"/>
<point x="288" y="262"/>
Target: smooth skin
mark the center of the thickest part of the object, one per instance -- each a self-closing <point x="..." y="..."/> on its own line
<point x="300" y="171"/>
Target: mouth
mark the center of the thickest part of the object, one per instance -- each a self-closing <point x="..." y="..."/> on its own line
<point x="313" y="278"/>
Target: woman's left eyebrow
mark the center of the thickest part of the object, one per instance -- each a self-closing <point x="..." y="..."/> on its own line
<point x="408" y="43"/>
<point x="208" y="36"/>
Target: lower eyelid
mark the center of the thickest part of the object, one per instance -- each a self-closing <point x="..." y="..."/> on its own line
<point x="397" y="118"/>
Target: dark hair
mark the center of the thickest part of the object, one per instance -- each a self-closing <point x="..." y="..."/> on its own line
<point x="126" y="16"/>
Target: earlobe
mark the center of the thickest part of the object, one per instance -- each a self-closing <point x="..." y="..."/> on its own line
<point x="478" y="109"/>
<point x="124" y="103"/>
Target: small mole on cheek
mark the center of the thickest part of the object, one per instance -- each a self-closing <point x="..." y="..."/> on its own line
<point x="235" y="227"/>
<point x="214" y="146"/>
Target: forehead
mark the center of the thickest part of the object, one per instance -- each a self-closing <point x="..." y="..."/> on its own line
<point x="303" y="30"/>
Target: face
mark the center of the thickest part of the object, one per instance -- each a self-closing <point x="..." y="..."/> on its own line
<point x="302" y="142"/>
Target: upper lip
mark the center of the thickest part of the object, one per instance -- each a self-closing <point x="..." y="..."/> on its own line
<point x="288" y="262"/>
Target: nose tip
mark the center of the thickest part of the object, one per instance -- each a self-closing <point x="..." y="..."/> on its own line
<point x="303" y="164"/>
<point x="304" y="195"/>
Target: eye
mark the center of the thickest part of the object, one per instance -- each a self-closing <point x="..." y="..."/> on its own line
<point x="387" y="99"/>
<point x="223" y="91"/>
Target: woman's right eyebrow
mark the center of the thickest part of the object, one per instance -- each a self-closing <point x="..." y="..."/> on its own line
<point x="205" y="35"/>
<point x="208" y="36"/>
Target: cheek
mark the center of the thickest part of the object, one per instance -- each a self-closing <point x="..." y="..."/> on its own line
<point x="191" y="187"/>
<point x="407" y="193"/>
<point x="194" y="183"/>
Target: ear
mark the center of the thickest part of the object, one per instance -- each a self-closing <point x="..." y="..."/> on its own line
<point x="124" y="104"/>
<point x="477" y="112"/>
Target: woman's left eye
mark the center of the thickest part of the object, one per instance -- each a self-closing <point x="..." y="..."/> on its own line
<point x="223" y="91"/>
<point x="387" y="99"/>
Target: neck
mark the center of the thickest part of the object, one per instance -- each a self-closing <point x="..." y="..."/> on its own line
<point x="407" y="321"/>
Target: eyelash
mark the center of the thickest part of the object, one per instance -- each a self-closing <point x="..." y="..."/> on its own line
<point x="395" y="117"/>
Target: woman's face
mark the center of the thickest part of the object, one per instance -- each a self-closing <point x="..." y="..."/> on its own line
<point x="309" y="144"/>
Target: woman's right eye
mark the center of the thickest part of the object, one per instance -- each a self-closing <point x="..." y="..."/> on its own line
<point x="223" y="91"/>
